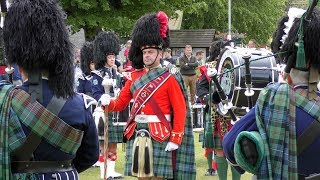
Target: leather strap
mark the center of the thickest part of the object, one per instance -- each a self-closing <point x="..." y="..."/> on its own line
<point x="25" y="152"/>
<point x="35" y="86"/>
<point x="311" y="133"/>
<point x="55" y="105"/>
<point x="41" y="166"/>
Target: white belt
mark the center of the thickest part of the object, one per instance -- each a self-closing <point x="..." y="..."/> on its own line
<point x="143" y="118"/>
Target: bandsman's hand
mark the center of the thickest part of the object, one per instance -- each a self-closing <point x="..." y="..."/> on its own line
<point x="171" y="146"/>
<point x="211" y="72"/>
<point x="105" y="99"/>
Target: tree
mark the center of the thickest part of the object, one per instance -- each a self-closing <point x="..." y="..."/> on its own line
<point x="256" y="18"/>
<point x="94" y="15"/>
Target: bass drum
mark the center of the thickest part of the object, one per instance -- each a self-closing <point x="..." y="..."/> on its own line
<point x="263" y="71"/>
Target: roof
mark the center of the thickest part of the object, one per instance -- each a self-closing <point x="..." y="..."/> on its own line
<point x="194" y="37"/>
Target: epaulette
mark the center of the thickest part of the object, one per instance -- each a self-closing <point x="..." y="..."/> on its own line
<point x="98" y="73"/>
<point x="88" y="100"/>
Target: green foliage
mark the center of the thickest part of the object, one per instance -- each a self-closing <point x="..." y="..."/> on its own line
<point x="256" y="18"/>
<point x="93" y="15"/>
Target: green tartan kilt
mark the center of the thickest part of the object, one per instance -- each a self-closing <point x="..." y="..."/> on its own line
<point x="115" y="133"/>
<point x="217" y="144"/>
<point x="162" y="160"/>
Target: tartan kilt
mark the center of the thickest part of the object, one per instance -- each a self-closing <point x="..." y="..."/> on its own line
<point x="162" y="160"/>
<point x="115" y="133"/>
<point x="217" y="144"/>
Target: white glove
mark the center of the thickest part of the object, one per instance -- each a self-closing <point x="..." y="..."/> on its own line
<point x="211" y="72"/>
<point x="9" y="70"/>
<point x="171" y="146"/>
<point x="105" y="99"/>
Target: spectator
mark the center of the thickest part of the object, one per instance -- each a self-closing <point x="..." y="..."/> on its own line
<point x="167" y="58"/>
<point x="188" y="64"/>
<point x="252" y="43"/>
<point x="200" y="57"/>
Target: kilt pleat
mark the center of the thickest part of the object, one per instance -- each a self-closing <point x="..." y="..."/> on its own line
<point x="115" y="133"/>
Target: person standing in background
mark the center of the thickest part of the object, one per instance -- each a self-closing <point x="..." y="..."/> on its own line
<point x="252" y="43"/>
<point x="200" y="58"/>
<point x="168" y="57"/>
<point x="216" y="125"/>
<point x="188" y="64"/>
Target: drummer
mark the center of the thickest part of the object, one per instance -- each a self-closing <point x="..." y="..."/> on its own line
<point x="220" y="124"/>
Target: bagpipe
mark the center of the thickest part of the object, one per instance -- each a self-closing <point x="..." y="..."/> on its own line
<point x="239" y="73"/>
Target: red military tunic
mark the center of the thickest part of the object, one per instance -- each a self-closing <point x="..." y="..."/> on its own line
<point x="169" y="98"/>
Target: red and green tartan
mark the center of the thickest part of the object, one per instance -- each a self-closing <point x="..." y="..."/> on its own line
<point x="185" y="155"/>
<point x="5" y="173"/>
<point x="15" y="109"/>
<point x="275" y="117"/>
<point x="11" y="135"/>
<point x="45" y="124"/>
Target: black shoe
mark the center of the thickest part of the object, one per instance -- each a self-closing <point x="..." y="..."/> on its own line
<point x="214" y="172"/>
<point x="210" y="172"/>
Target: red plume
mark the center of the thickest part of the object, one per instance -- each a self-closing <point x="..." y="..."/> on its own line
<point x="163" y="20"/>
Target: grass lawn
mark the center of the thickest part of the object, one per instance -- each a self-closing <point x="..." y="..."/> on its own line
<point x="201" y="163"/>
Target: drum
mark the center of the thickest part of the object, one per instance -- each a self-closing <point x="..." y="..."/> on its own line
<point x="198" y="115"/>
<point x="263" y="71"/>
<point x="120" y="118"/>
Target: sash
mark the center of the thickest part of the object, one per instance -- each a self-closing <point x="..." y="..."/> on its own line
<point x="144" y="94"/>
<point x="5" y="165"/>
<point x="143" y="80"/>
<point x="45" y="124"/>
<point x="279" y="134"/>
